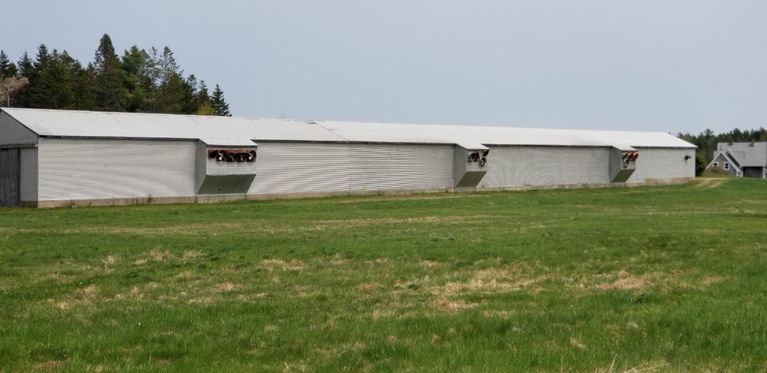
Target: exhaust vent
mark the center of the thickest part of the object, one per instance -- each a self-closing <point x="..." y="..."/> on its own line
<point x="470" y="164"/>
<point x="225" y="167"/>
<point x="622" y="164"/>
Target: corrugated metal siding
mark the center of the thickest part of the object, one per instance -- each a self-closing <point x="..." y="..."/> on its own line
<point x="315" y="168"/>
<point x="301" y="168"/>
<point x="539" y="166"/>
<point x="663" y="164"/>
<point x="401" y="167"/>
<point x="95" y="169"/>
<point x="29" y="178"/>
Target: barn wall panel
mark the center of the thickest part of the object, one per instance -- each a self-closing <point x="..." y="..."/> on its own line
<point x="95" y="169"/>
<point x="655" y="164"/>
<point x="510" y="166"/>
<point x="13" y="133"/>
<point x="342" y="167"/>
<point x="301" y="168"/>
<point x="401" y="167"/>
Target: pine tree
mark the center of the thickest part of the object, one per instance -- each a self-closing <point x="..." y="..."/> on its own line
<point x="26" y="71"/>
<point x="56" y="82"/>
<point x="139" y="85"/>
<point x="201" y="100"/>
<point x="80" y="83"/>
<point x="7" y="68"/>
<point x="190" y="95"/>
<point x="172" y="90"/>
<point x="38" y="93"/>
<point x="108" y="91"/>
<point x="170" y="95"/>
<point x="219" y="103"/>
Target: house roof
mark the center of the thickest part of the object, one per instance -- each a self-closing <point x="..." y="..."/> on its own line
<point x="747" y="154"/>
<point x="240" y="131"/>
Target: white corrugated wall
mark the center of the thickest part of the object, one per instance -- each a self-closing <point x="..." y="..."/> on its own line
<point x="401" y="166"/>
<point x="540" y="166"/>
<point x="84" y="169"/>
<point x="284" y="167"/>
<point x="656" y="164"/>
<point x="301" y="168"/>
<point x="72" y="169"/>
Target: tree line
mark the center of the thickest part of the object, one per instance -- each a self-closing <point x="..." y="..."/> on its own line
<point x="706" y="142"/>
<point x="141" y="80"/>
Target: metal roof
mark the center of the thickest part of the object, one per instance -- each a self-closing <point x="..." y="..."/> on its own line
<point x="236" y="131"/>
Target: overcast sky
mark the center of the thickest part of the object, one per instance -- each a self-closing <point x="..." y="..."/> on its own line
<point x="681" y="65"/>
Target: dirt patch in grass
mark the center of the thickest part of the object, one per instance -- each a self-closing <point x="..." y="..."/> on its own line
<point x="225" y="287"/>
<point x="709" y="183"/>
<point x="160" y="256"/>
<point x="449" y="305"/>
<point x="272" y="265"/>
<point x="353" y="223"/>
<point x="450" y="297"/>
<point x="110" y="260"/>
<point x="428" y="264"/>
<point x="368" y="286"/>
<point x="87" y="293"/>
<point x="624" y="280"/>
<point x="50" y="365"/>
<point x="627" y="281"/>
<point x="498" y="314"/>
<point x="492" y="280"/>
<point x="577" y="344"/>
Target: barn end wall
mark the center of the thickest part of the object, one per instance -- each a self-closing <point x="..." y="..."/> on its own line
<point x="13" y="133"/>
<point x="91" y="169"/>
<point x="661" y="165"/>
<point x="510" y="166"/>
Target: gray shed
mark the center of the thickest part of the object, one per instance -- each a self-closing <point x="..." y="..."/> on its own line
<point x="742" y="159"/>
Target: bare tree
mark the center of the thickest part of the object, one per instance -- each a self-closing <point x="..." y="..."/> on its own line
<point x="10" y="86"/>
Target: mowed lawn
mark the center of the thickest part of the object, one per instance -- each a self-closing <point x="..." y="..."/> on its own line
<point x="649" y="278"/>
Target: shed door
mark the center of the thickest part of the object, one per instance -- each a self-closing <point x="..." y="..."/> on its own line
<point x="10" y="162"/>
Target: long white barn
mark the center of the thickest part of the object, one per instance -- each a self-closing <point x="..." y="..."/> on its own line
<point x="58" y="158"/>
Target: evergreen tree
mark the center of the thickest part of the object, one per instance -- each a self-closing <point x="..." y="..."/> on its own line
<point x="27" y="71"/>
<point x="203" y="95"/>
<point x="38" y="93"/>
<point x="171" y="94"/>
<point x="108" y="91"/>
<point x="171" y="88"/>
<point x="56" y="83"/>
<point x="137" y="81"/>
<point x="7" y="68"/>
<point x="219" y="103"/>
<point x="202" y="100"/>
<point x="190" y="95"/>
<point x="80" y="83"/>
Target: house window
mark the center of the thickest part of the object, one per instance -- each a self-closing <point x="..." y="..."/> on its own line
<point x="726" y="165"/>
<point x="716" y="164"/>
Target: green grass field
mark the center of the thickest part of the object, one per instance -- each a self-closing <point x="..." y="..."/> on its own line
<point x="649" y="278"/>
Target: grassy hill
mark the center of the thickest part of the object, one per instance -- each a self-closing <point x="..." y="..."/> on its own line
<point x="671" y="277"/>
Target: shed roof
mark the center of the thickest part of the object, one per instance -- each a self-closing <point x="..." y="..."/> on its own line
<point x="233" y="130"/>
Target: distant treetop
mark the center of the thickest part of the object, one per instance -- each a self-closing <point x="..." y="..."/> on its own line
<point x="149" y="81"/>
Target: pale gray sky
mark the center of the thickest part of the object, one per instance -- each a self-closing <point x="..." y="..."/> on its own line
<point x="681" y="65"/>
